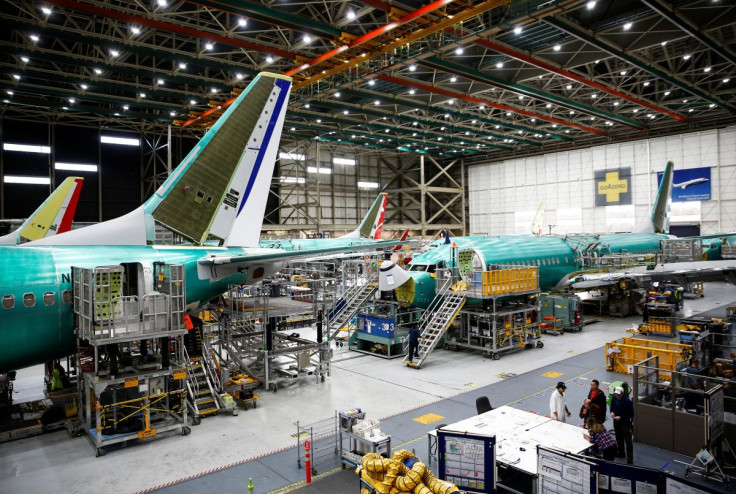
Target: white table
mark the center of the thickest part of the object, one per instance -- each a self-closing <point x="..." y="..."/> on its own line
<point x="518" y="433"/>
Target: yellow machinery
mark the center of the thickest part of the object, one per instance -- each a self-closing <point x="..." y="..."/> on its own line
<point x="659" y="327"/>
<point x="621" y="355"/>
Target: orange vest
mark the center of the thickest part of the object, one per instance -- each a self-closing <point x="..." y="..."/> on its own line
<point x="188" y="322"/>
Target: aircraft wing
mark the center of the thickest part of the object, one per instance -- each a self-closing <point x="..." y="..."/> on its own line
<point x="262" y="255"/>
<point x="680" y="272"/>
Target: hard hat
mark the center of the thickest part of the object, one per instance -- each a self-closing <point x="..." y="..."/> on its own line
<point x="619" y="390"/>
<point x="668" y="292"/>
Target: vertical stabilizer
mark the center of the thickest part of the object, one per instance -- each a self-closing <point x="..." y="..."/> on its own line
<point x="54" y="216"/>
<point x="225" y="177"/>
<point x="659" y="221"/>
<point x="538" y="220"/>
<point x="372" y="225"/>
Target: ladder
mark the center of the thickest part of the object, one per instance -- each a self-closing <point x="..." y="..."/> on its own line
<point x="351" y="301"/>
<point x="203" y="397"/>
<point x="444" y="308"/>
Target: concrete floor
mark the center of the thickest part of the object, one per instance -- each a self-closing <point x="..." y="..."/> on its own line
<point x="383" y="388"/>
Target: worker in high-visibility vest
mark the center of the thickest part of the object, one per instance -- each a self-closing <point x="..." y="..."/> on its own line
<point x="188" y="324"/>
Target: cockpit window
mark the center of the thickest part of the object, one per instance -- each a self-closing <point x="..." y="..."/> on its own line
<point x="431" y="268"/>
<point x="418" y="267"/>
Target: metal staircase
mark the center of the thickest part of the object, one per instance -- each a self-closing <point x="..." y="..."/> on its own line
<point x="346" y="308"/>
<point x="202" y="386"/>
<point x="444" y="308"/>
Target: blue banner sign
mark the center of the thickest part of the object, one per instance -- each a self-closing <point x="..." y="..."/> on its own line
<point x="692" y="184"/>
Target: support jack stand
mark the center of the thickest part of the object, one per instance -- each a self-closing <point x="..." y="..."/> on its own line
<point x="705" y="465"/>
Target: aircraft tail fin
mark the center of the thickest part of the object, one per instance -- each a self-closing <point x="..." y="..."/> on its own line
<point x="659" y="221"/>
<point x="372" y="224"/>
<point x="220" y="189"/>
<point x="538" y="220"/>
<point x="404" y="236"/>
<point x="54" y="216"/>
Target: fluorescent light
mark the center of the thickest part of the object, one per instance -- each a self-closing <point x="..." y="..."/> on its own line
<point x="75" y="167"/>
<point x="627" y="26"/>
<point x="24" y="59"/>
<point x="182" y="65"/>
<point x="343" y="161"/>
<point x="209" y="46"/>
<point x="368" y="185"/>
<point x="557" y="47"/>
<point x="46" y="10"/>
<point x="459" y="50"/>
<point x="135" y="30"/>
<point x="239" y="76"/>
<point x="517" y="30"/>
<point x="242" y="22"/>
<point x="499" y="65"/>
<point x="98" y="71"/>
<point x="26" y="148"/>
<point x="114" y="53"/>
<point x="292" y="180"/>
<point x="123" y="141"/>
<point x="351" y="14"/>
<point x="269" y="59"/>
<point x="292" y="156"/>
<point x="314" y="169"/>
<point x="34" y="38"/>
<point x="412" y="67"/>
<point x="17" y="179"/>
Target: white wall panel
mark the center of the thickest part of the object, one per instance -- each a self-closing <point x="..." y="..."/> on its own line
<point x="564" y="181"/>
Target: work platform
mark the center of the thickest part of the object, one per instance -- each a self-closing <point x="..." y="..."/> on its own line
<point x="138" y="390"/>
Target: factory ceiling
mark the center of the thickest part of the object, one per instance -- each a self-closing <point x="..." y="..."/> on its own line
<point x="478" y="79"/>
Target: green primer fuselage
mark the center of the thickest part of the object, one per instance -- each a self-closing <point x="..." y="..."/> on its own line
<point x="554" y="255"/>
<point x="37" y="334"/>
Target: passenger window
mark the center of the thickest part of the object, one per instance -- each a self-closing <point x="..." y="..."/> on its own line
<point x="66" y="296"/>
<point x="29" y="300"/>
<point x="49" y="298"/>
<point x="8" y="301"/>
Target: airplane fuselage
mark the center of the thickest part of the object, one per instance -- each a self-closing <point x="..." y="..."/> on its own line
<point x="39" y="327"/>
<point x="555" y="256"/>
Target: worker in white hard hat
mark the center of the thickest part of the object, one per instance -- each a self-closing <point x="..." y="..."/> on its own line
<point x="622" y="413"/>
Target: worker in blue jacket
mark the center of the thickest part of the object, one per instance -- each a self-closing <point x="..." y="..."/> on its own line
<point x="622" y="413"/>
<point x="414" y="334"/>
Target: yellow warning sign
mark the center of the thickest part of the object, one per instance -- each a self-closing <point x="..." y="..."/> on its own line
<point x="552" y="374"/>
<point x="428" y="418"/>
<point x="131" y="382"/>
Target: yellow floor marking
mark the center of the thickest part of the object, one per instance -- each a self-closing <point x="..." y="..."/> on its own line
<point x="300" y="435"/>
<point x="470" y="385"/>
<point x="552" y="374"/>
<point x="428" y="418"/>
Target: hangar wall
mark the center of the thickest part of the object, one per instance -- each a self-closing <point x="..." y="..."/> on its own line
<point x="504" y="196"/>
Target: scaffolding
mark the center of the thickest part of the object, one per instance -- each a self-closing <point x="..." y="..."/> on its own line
<point x="682" y="250"/>
<point x="255" y="340"/>
<point x="132" y="382"/>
